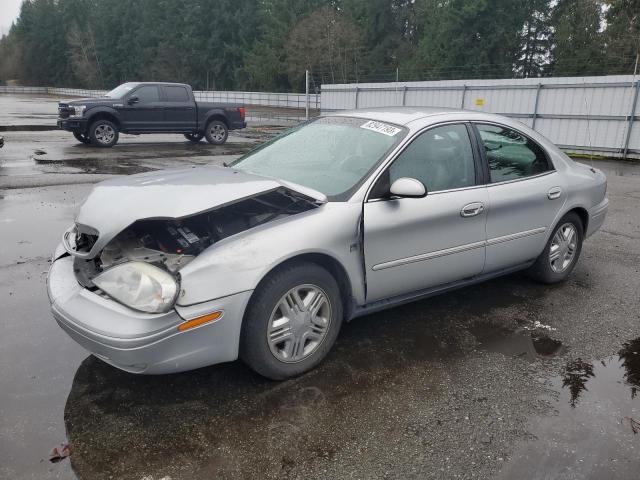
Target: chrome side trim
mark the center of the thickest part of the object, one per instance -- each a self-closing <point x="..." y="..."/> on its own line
<point x="515" y="236"/>
<point x="428" y="256"/>
<point x="459" y="249"/>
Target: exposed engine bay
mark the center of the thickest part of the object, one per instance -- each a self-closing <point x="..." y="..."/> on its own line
<point x="172" y="243"/>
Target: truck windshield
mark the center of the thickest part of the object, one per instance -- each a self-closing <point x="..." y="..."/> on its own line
<point x="121" y="90"/>
<point x="332" y="155"/>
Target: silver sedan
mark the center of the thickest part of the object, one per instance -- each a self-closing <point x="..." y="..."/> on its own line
<point x="339" y="217"/>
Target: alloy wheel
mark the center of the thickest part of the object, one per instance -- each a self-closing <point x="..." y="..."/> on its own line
<point x="217" y="132"/>
<point x="104" y="134"/>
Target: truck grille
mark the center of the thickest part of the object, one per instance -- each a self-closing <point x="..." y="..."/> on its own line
<point x="64" y="110"/>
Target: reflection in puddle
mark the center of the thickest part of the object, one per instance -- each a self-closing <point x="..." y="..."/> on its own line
<point x="575" y="376"/>
<point x="630" y="358"/>
<point x="521" y="343"/>
<point x="594" y="432"/>
<point x="577" y="373"/>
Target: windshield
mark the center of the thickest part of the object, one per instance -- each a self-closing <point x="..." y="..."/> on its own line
<point x="121" y="90"/>
<point x="332" y="155"/>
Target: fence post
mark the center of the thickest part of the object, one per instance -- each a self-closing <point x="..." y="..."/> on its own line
<point x="306" y="94"/>
<point x="631" y="119"/>
<point x="404" y="96"/>
<point x="464" y="94"/>
<point x="356" y="97"/>
<point x="535" y="107"/>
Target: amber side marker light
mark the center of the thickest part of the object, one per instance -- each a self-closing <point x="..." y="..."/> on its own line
<point x="196" y="322"/>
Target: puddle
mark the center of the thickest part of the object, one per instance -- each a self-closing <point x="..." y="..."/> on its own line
<point x="623" y="369"/>
<point x="527" y="344"/>
<point x="594" y="432"/>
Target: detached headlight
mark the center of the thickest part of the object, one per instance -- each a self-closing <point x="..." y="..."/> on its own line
<point x="78" y="110"/>
<point x="140" y="286"/>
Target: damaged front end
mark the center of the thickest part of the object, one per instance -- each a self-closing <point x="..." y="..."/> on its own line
<point x="169" y="244"/>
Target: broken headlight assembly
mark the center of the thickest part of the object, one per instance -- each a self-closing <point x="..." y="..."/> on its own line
<point x="140" y="286"/>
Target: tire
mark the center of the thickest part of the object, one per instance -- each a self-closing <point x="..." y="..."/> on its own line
<point x="82" y="137"/>
<point x="103" y="133"/>
<point x="302" y="343"/>
<point x="194" y="137"/>
<point x="546" y="270"/>
<point x="216" y="132"/>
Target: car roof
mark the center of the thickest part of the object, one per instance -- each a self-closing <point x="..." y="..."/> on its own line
<point x="405" y="115"/>
<point x="158" y="83"/>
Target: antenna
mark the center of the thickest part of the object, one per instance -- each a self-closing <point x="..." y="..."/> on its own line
<point x="588" y="106"/>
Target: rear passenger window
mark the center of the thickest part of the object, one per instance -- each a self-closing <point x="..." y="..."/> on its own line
<point x="147" y="94"/>
<point x="510" y="154"/>
<point x="176" y="94"/>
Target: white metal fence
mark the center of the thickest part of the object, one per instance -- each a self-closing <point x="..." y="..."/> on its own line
<point x="586" y="114"/>
<point x="267" y="99"/>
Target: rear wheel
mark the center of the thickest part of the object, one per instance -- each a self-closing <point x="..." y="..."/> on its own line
<point x="194" y="137"/>
<point x="82" y="137"/>
<point x="561" y="253"/>
<point x="291" y="322"/>
<point x="216" y="132"/>
<point x="103" y="133"/>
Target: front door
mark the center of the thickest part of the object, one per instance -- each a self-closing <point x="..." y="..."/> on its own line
<point x="143" y="109"/>
<point x="525" y="196"/>
<point x="412" y="244"/>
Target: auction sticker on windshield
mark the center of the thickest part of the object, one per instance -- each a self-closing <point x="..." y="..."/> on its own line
<point x="381" y="128"/>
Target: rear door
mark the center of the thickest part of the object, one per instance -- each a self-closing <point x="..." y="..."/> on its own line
<point x="413" y="244"/>
<point x="143" y="109"/>
<point x="525" y="195"/>
<point x="179" y="110"/>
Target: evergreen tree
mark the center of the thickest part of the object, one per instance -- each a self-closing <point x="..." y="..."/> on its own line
<point x="623" y="33"/>
<point x="578" y="42"/>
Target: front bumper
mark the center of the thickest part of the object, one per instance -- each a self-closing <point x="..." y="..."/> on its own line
<point x="597" y="215"/>
<point x="139" y="342"/>
<point x="72" y="124"/>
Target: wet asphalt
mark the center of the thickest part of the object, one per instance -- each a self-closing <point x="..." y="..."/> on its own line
<point x="507" y="379"/>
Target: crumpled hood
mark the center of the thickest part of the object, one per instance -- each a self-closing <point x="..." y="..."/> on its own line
<point x="115" y="204"/>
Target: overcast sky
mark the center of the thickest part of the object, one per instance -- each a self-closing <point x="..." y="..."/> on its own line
<point x="9" y="10"/>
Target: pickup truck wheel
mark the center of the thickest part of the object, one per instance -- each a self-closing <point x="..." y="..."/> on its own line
<point x="103" y="133"/>
<point x="216" y="132"/>
<point x="194" y="137"/>
<point x="292" y="321"/>
<point x="82" y="137"/>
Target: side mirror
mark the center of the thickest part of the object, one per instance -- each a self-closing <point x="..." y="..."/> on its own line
<point x="133" y="100"/>
<point x="406" y="187"/>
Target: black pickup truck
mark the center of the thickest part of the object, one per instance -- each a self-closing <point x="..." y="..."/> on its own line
<point x="147" y="107"/>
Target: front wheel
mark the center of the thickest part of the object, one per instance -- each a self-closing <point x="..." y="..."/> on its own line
<point x="291" y="322"/>
<point x="194" y="137"/>
<point x="103" y="133"/>
<point x="82" y="137"/>
<point x="561" y="253"/>
<point x="216" y="132"/>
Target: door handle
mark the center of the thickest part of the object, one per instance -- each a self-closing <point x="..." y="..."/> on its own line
<point x="554" y="193"/>
<point x="472" y="209"/>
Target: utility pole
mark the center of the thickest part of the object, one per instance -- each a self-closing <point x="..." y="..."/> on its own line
<point x="306" y="91"/>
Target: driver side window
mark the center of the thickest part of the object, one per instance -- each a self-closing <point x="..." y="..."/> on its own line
<point x="147" y="94"/>
<point x="441" y="158"/>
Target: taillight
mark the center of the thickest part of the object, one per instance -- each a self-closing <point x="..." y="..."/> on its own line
<point x="241" y="110"/>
